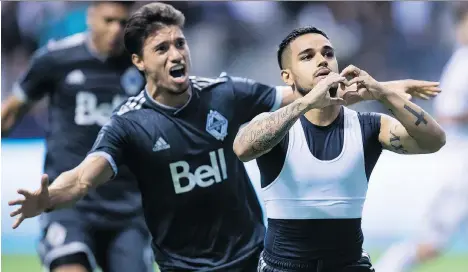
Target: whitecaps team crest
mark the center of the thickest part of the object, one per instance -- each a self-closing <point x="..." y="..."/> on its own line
<point x="132" y="81"/>
<point x="216" y="125"/>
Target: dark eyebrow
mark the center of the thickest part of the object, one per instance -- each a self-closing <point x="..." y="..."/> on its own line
<point x="166" y="42"/>
<point x="111" y="18"/>
<point x="160" y="44"/>
<point x="308" y="50"/>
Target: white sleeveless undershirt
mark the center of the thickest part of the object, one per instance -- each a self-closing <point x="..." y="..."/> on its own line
<point x="309" y="188"/>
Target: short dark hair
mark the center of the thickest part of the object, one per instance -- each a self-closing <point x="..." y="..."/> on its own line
<point x="146" y="20"/>
<point x="294" y="35"/>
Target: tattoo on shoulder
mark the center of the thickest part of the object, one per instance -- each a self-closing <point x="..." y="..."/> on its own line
<point x="419" y="116"/>
<point x="395" y="142"/>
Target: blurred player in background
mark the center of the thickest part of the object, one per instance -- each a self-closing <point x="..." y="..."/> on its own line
<point x="316" y="156"/>
<point x="86" y="76"/>
<point x="176" y="136"/>
<point x="448" y="211"/>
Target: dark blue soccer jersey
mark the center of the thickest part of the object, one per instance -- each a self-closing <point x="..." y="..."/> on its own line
<point x="312" y="239"/>
<point x="83" y="90"/>
<point x="199" y="203"/>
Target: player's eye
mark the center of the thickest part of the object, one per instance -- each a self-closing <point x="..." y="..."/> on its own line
<point x="306" y="57"/>
<point x="180" y="43"/>
<point x="161" y="48"/>
<point x="329" y="54"/>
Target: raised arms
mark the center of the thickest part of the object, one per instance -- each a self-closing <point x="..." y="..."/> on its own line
<point x="408" y="88"/>
<point x="413" y="131"/>
<point x="267" y="129"/>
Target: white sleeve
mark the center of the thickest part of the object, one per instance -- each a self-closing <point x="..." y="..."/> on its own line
<point x="453" y="100"/>
<point x="278" y="98"/>
<point x="109" y="159"/>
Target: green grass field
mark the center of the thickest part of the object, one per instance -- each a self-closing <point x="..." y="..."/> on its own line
<point x="450" y="263"/>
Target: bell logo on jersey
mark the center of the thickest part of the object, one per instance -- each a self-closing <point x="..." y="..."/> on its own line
<point x="89" y="112"/>
<point x="204" y="176"/>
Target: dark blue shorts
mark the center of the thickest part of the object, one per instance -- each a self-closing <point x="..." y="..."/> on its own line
<point x="269" y="263"/>
<point x="69" y="237"/>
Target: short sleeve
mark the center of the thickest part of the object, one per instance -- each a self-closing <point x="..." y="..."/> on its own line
<point x="370" y="129"/>
<point x="271" y="163"/>
<point x="110" y="142"/>
<point x="37" y="79"/>
<point x="254" y="98"/>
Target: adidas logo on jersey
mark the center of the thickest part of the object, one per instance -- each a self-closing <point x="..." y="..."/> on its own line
<point x="160" y="144"/>
<point x="203" y="176"/>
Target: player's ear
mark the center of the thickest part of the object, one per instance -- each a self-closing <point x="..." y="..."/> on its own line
<point x="138" y="62"/>
<point x="287" y="77"/>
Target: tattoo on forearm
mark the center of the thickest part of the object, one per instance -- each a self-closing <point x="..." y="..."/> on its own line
<point x="394" y="137"/>
<point x="264" y="134"/>
<point x="392" y="112"/>
<point x="395" y="142"/>
<point x="420" y="116"/>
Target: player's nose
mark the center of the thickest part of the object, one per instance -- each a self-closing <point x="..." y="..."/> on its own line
<point x="175" y="55"/>
<point x="321" y="61"/>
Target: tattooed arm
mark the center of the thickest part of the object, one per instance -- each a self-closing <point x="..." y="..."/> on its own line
<point x="267" y="129"/>
<point x="413" y="131"/>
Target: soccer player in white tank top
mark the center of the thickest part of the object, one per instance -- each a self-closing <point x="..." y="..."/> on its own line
<point x="314" y="203"/>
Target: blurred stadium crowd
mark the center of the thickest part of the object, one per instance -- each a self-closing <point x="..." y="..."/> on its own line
<point x="393" y="40"/>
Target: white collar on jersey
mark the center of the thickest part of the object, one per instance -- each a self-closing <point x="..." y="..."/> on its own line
<point x="166" y="106"/>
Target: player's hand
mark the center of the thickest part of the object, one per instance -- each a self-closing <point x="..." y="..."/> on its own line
<point x="367" y="88"/>
<point x="33" y="204"/>
<point x="410" y="88"/>
<point x="319" y="96"/>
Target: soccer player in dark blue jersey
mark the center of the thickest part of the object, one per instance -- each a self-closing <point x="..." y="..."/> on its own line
<point x="85" y="76"/>
<point x="176" y="136"/>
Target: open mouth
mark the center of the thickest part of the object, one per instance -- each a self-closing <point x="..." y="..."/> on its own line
<point x="177" y="71"/>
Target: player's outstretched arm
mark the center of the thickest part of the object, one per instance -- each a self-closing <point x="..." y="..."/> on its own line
<point x="72" y="185"/>
<point x="68" y="188"/>
<point x="267" y="129"/>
